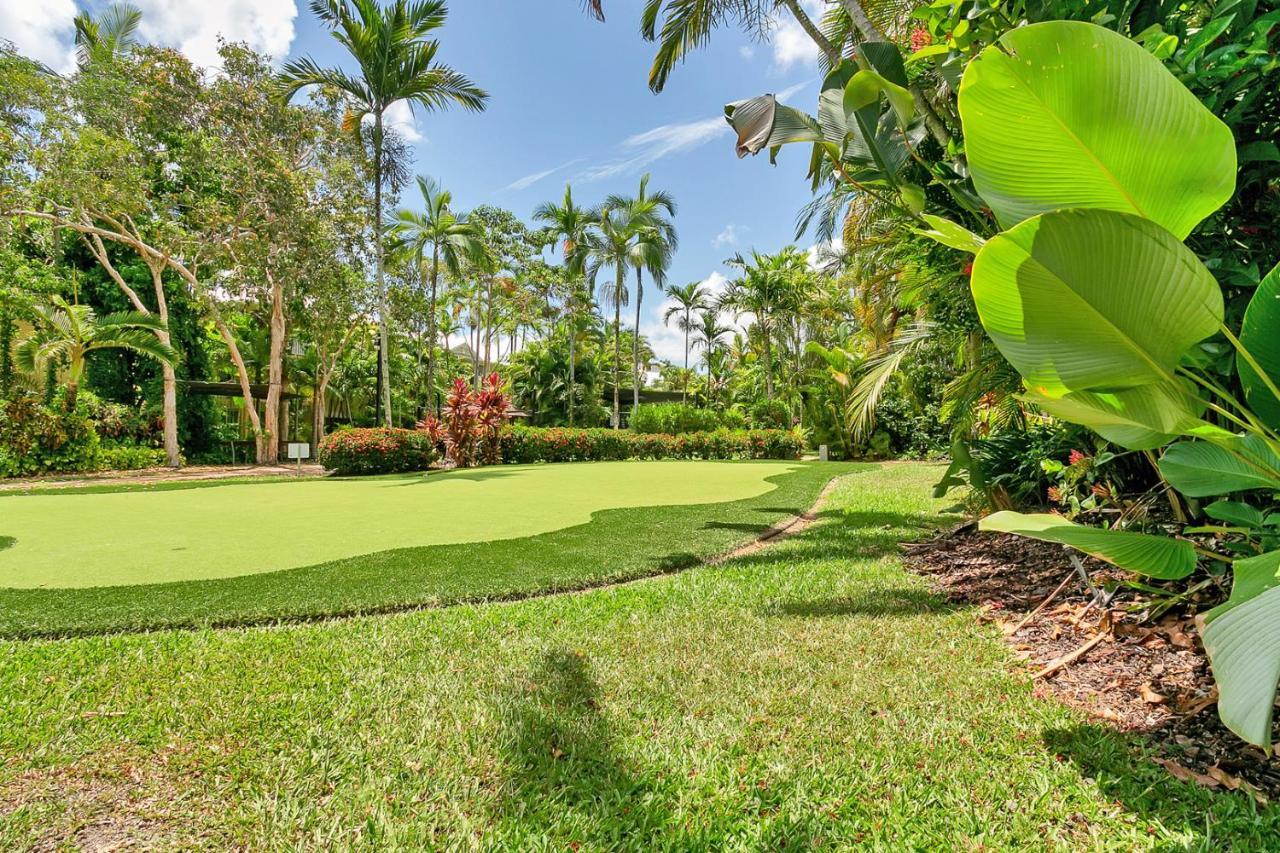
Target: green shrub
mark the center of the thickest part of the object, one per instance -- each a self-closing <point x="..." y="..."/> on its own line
<point x="770" y="414"/>
<point x="377" y="451"/>
<point x="677" y="418"/>
<point x="129" y="457"/>
<point x="36" y="439"/>
<point x="522" y="444"/>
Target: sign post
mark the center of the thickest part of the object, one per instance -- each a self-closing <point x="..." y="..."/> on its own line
<point x="299" y="451"/>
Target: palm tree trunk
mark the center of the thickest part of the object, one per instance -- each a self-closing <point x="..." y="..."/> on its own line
<point x="684" y="392"/>
<point x="806" y="24"/>
<point x="384" y="352"/>
<point x="269" y="441"/>
<point x="572" y="335"/>
<point x="617" y="347"/>
<point x="635" y="345"/>
<point x="768" y="363"/>
<point x="433" y="402"/>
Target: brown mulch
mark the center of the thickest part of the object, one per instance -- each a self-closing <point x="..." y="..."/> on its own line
<point x="1140" y="675"/>
<point x="151" y="476"/>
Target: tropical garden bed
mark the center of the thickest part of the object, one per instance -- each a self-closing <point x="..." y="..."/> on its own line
<point x="1147" y="674"/>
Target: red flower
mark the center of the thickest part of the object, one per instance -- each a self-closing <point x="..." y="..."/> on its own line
<point x="920" y="38"/>
<point x="1076" y="458"/>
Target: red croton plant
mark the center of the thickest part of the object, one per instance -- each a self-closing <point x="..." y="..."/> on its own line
<point x="473" y="420"/>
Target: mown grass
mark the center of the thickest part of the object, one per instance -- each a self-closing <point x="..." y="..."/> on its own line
<point x="809" y="696"/>
<point x="616" y="544"/>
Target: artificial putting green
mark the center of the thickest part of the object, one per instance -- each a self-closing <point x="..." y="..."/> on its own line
<point x="122" y="538"/>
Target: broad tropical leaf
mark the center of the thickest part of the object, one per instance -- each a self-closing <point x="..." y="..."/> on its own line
<point x="1069" y="114"/>
<point x="1242" y="637"/>
<point x="951" y="234"/>
<point x="1141" y="418"/>
<point x="1201" y="469"/>
<point x="764" y="123"/>
<point x="1235" y="512"/>
<point x="1154" y="556"/>
<point x="1092" y="300"/>
<point x="1260" y="336"/>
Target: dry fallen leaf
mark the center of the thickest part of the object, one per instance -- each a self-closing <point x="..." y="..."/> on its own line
<point x="1184" y="775"/>
<point x="1150" y="696"/>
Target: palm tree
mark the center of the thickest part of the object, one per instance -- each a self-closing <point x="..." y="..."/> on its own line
<point x="653" y="243"/>
<point x="451" y="239"/>
<point x="709" y="333"/>
<point x="397" y="61"/>
<point x="766" y="290"/>
<point x="611" y="245"/>
<point x="113" y="33"/>
<point x="685" y="301"/>
<point x="569" y="225"/>
<point x="69" y="333"/>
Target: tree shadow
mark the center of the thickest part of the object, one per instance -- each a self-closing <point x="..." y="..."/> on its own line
<point x="1123" y="774"/>
<point x="7" y="542"/>
<point x="872" y="602"/>
<point x="568" y="773"/>
<point x="744" y="526"/>
<point x="473" y="475"/>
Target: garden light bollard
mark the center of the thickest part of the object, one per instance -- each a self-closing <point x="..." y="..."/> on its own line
<point x="823" y="454"/>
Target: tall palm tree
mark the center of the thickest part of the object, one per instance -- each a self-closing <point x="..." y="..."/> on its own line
<point x="64" y="332"/>
<point x="610" y="243"/>
<point x="570" y="226"/>
<point x="111" y="34"/>
<point x="709" y="334"/>
<point x="450" y="238"/>
<point x="397" y="62"/>
<point x="694" y="296"/>
<point x="765" y="289"/>
<point x="653" y="243"/>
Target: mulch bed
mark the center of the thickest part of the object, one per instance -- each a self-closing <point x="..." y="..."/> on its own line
<point x="1141" y="675"/>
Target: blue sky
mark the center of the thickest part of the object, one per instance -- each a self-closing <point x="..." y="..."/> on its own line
<point x="569" y="102"/>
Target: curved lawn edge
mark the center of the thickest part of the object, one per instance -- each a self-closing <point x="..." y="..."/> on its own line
<point x="616" y="546"/>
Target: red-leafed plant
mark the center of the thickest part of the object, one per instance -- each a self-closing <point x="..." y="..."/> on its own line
<point x="461" y="425"/>
<point x="494" y="412"/>
<point x="433" y="429"/>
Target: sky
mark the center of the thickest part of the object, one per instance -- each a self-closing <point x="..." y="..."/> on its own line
<point x="569" y="102"/>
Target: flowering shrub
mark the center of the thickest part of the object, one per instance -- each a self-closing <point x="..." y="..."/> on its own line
<point x="377" y="451"/>
<point x="530" y="444"/>
<point x="35" y="439"/>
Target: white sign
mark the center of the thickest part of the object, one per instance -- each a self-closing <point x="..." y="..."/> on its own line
<point x="299" y="450"/>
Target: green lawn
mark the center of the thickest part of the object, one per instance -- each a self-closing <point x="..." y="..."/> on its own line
<point x="810" y="695"/>
<point x="668" y="514"/>
<point x="139" y="536"/>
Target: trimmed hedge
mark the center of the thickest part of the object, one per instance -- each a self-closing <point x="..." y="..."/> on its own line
<point x="522" y="444"/>
<point x="677" y="418"/>
<point x="377" y="451"/>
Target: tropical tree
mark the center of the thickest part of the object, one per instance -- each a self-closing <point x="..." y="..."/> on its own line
<point x="708" y="335"/>
<point x="111" y="34"/>
<point x="397" y="61"/>
<point x="765" y="289"/>
<point x="450" y="238"/>
<point x="68" y="333"/>
<point x="652" y="243"/>
<point x="693" y="297"/>
<point x="612" y="245"/>
<point x="570" y="226"/>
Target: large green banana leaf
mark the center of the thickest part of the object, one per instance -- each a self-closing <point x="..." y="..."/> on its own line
<point x="1154" y="556"/>
<point x="1242" y="637"/>
<point x="1069" y="114"/>
<point x="762" y="123"/>
<point x="1202" y="469"/>
<point x="1141" y="418"/>
<point x="1260" y="335"/>
<point x="1093" y="300"/>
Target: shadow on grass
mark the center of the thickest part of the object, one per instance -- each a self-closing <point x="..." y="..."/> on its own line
<point x="471" y="475"/>
<point x="1116" y="764"/>
<point x="7" y="542"/>
<point x="569" y="775"/>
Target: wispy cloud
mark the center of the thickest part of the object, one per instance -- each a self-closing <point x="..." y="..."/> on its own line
<point x="641" y="149"/>
<point x="532" y="178"/>
<point x="728" y="237"/>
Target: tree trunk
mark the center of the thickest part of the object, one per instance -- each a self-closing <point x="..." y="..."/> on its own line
<point x="617" y="348"/>
<point x="806" y="24"/>
<point x="242" y="373"/>
<point x="433" y="401"/>
<point x="635" y="345"/>
<point x="73" y="391"/>
<point x="768" y="364"/>
<point x="684" y="392"/>
<point x="319" y="390"/>
<point x="384" y="351"/>
<point x="572" y="334"/>
<point x="269" y="440"/>
<point x="169" y="377"/>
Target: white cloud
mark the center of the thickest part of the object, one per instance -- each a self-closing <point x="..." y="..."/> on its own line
<point x="41" y="30"/>
<point x="728" y="237"/>
<point x="640" y="150"/>
<point x="747" y="52"/>
<point x="791" y="91"/>
<point x="791" y="44"/>
<point x="194" y="27"/>
<point x="668" y="342"/>
<point x="399" y="116"/>
<point x="823" y="254"/>
<point x="532" y="178"/>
